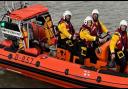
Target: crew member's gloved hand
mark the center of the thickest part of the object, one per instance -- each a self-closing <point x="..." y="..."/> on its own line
<point x="73" y="37"/>
<point x="97" y="39"/>
<point x="108" y="33"/>
<point x="112" y="64"/>
<point x="112" y="56"/>
<point x="101" y="40"/>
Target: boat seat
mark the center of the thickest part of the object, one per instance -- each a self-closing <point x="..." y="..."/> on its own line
<point x="98" y="65"/>
<point x="102" y="52"/>
<point x="87" y="62"/>
<point x="63" y="54"/>
<point x="33" y="51"/>
<point x="6" y="43"/>
<point x="75" y="59"/>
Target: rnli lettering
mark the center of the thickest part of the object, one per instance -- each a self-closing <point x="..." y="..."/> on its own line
<point x="23" y="58"/>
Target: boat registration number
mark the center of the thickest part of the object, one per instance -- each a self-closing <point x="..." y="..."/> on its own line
<point x="24" y="58"/>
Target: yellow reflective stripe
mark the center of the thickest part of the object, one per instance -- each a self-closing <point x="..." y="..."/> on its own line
<point x="69" y="42"/>
<point x="84" y="49"/>
<point x="120" y="54"/>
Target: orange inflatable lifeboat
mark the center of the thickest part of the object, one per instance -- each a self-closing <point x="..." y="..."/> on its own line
<point x="35" y="61"/>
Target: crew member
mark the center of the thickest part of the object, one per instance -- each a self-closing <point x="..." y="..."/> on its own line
<point x="119" y="46"/>
<point x="98" y="28"/>
<point x="66" y="32"/>
<point x="87" y="39"/>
